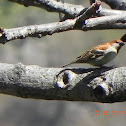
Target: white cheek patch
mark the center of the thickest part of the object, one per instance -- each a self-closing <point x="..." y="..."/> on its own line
<point x="111" y="49"/>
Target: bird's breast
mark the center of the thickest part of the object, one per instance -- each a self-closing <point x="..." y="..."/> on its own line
<point x="101" y="60"/>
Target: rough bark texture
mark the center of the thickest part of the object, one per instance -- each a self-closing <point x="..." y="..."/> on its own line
<point x="73" y="84"/>
<point x="100" y="23"/>
<point x="66" y="8"/>
<point x="80" y="19"/>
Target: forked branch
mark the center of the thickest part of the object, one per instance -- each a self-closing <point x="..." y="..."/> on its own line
<point x="99" y="23"/>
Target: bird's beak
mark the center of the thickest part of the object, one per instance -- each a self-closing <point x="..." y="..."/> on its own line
<point x="122" y="44"/>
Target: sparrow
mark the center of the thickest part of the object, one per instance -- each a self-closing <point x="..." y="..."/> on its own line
<point x="101" y="54"/>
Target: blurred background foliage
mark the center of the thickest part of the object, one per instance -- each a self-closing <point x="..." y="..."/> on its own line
<point x="53" y="51"/>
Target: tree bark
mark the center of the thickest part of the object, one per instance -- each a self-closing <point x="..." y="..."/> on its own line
<point x="99" y="23"/>
<point x="72" y="84"/>
<point x="116" y="4"/>
<point x="66" y="8"/>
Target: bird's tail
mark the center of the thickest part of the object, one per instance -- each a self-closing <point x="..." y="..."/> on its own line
<point x="68" y="64"/>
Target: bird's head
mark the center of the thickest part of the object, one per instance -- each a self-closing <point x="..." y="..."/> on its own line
<point x="117" y="44"/>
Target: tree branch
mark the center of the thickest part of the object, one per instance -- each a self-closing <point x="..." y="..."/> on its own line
<point x="52" y="6"/>
<point x="102" y="22"/>
<point x="106" y="22"/>
<point x="92" y="10"/>
<point x="35" y="30"/>
<point x="107" y="12"/>
<point x="116" y="4"/>
<point x="66" y="8"/>
<point x="72" y="84"/>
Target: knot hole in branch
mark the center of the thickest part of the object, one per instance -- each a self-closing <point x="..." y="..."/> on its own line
<point x="101" y="88"/>
<point x="16" y="73"/>
<point x="100" y="91"/>
<point x="65" y="79"/>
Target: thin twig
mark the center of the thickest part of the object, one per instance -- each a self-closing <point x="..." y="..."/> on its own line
<point x="93" y="9"/>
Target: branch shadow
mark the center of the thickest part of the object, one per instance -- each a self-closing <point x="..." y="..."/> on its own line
<point x="79" y="91"/>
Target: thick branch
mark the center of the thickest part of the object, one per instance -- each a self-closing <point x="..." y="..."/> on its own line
<point x="102" y="22"/>
<point x="68" y="9"/>
<point x="106" y="22"/>
<point x="52" y="6"/>
<point x="116" y="4"/>
<point x="35" y="30"/>
<point x="73" y="84"/>
<point x="107" y="12"/>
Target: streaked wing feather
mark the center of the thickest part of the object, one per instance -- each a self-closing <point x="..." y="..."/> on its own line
<point x="90" y="54"/>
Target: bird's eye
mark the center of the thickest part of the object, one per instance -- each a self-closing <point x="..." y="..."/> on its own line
<point x="120" y="43"/>
<point x="117" y="42"/>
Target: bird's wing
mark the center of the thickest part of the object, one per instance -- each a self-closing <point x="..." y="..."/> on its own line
<point x="90" y="54"/>
<point x="96" y="52"/>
